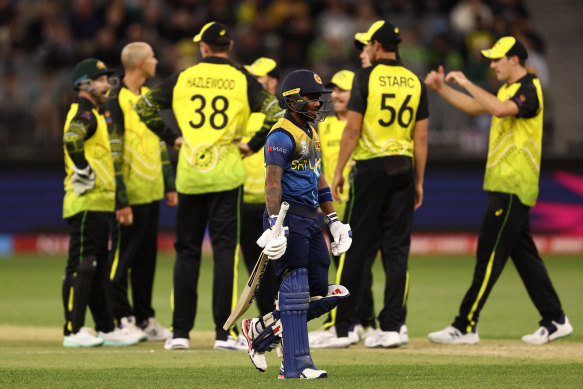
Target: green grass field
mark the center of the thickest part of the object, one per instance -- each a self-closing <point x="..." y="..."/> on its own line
<point x="31" y="354"/>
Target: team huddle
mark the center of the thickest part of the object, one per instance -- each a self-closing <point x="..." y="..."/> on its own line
<point x="346" y="157"/>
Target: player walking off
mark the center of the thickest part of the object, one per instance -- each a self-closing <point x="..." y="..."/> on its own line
<point x="301" y="261"/>
<point x="212" y="101"/>
<point x="146" y="178"/>
<point x="267" y="73"/>
<point x="88" y="208"/>
<point x="386" y="134"/>
<point x="511" y="180"/>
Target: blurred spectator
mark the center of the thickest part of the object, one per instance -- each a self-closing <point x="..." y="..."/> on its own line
<point x="468" y="15"/>
<point x="15" y="122"/>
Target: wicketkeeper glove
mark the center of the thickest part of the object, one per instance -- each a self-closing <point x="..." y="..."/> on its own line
<point x="341" y="233"/>
<point x="83" y="179"/>
<point x="274" y="247"/>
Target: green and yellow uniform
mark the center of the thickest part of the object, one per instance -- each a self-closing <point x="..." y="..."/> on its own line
<point x="145" y="175"/>
<point x="391" y="100"/>
<point x="86" y="141"/>
<point x="211" y="101"/>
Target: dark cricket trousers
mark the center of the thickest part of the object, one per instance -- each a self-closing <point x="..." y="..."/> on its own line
<point x="86" y="281"/>
<point x="505" y="232"/>
<point x="252" y="228"/>
<point x="380" y="213"/>
<point x="221" y="211"/>
<point x="134" y="251"/>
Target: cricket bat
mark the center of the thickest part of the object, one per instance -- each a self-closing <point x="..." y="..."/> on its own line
<point x="250" y="290"/>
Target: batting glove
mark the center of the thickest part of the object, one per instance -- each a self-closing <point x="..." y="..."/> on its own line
<point x="83" y="179"/>
<point x="341" y="234"/>
<point x="274" y="247"/>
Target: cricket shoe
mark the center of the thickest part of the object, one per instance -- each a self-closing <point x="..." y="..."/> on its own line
<point x="383" y="339"/>
<point x="129" y="324"/>
<point x="177" y="344"/>
<point x="249" y="332"/>
<point x="404" y="334"/>
<point x="452" y="335"/>
<point x="547" y="334"/>
<point x="231" y="344"/>
<point x="329" y="338"/>
<point x="308" y="373"/>
<point x="120" y="337"/>
<point x="366" y="333"/>
<point x="82" y="338"/>
<point x="154" y="330"/>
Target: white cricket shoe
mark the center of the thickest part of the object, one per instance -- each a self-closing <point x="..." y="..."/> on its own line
<point x="129" y="324"/>
<point x="82" y="338"/>
<point x="177" y="344"/>
<point x="308" y="373"/>
<point x="155" y="331"/>
<point x="119" y="337"/>
<point x="356" y="333"/>
<point x="452" y="335"/>
<point x="366" y="333"/>
<point x="404" y="334"/>
<point x="383" y="339"/>
<point x="249" y="332"/>
<point x="231" y="344"/>
<point x="548" y="334"/>
<point x="329" y="338"/>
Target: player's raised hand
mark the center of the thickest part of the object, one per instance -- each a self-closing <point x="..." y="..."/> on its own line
<point x="458" y="78"/>
<point x="434" y="80"/>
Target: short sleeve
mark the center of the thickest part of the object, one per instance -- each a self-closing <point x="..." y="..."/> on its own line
<point x="526" y="99"/>
<point x="278" y="148"/>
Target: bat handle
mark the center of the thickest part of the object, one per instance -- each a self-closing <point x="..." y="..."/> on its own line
<point x="276" y="230"/>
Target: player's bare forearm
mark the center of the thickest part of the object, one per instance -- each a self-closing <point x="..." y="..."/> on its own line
<point x="461" y="101"/>
<point x="273" y="174"/>
<point x="491" y="103"/>
<point x="420" y="158"/>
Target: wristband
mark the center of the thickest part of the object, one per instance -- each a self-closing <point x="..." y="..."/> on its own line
<point x="324" y="194"/>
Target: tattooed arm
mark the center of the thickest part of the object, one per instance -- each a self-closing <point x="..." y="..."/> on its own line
<point x="273" y="176"/>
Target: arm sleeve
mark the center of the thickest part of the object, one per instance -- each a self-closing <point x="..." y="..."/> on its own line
<point x="279" y="147"/>
<point x="526" y="99"/>
<point x="115" y="126"/>
<point x="359" y="93"/>
<point x="169" y="182"/>
<point x="261" y="100"/>
<point x="423" y="109"/>
<point x="82" y="127"/>
<point x="149" y="105"/>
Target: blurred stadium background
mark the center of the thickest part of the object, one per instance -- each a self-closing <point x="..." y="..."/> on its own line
<point x="41" y="41"/>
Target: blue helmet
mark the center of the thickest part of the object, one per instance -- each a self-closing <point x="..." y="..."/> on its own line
<point x="296" y="86"/>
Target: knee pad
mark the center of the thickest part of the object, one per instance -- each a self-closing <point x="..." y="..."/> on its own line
<point x="320" y="305"/>
<point x="294" y="297"/>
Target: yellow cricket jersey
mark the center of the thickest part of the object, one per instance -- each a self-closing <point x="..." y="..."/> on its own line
<point x="211" y="107"/>
<point x="254" y="187"/>
<point x="514" y="150"/>
<point x="330" y="131"/>
<point x="391" y="99"/>
<point x="142" y="162"/>
<point x="83" y="118"/>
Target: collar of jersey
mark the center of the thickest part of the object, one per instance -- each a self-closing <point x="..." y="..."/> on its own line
<point x="219" y="60"/>
<point x="83" y="102"/>
<point x="386" y="61"/>
<point x="307" y="129"/>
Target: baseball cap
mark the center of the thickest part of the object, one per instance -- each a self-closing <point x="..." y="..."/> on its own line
<point x="382" y="31"/>
<point x="506" y="46"/>
<point x="263" y="66"/>
<point x="342" y="79"/>
<point x="214" y="33"/>
<point x="360" y="40"/>
<point x="89" y="68"/>
<point x="302" y="82"/>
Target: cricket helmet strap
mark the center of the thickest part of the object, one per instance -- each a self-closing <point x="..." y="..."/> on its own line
<point x="299" y="84"/>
